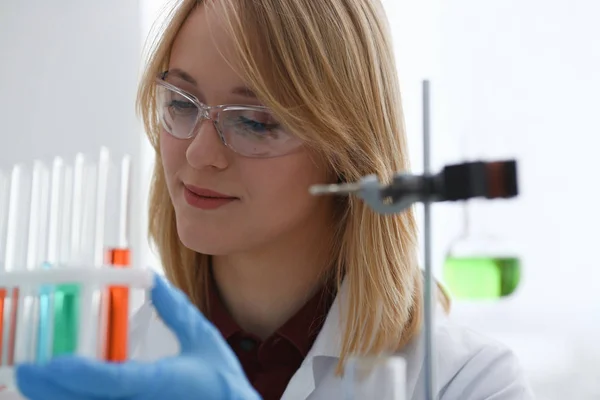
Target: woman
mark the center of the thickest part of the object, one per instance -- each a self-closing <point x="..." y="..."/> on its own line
<point x="294" y="284"/>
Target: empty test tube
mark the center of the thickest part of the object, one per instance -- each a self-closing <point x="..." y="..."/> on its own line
<point x="93" y="313"/>
<point x="29" y="301"/>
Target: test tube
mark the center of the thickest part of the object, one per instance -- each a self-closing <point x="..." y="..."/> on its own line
<point x="27" y="320"/>
<point x="46" y="316"/>
<point x="15" y="253"/>
<point x="66" y="217"/>
<point x="119" y="257"/>
<point x="4" y="197"/>
<point x="10" y="231"/>
<point x="66" y="296"/>
<point x="94" y="300"/>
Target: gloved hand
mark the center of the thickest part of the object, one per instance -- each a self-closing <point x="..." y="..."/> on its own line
<point x="205" y="369"/>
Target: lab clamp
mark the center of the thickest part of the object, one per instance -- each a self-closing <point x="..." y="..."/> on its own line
<point x="458" y="182"/>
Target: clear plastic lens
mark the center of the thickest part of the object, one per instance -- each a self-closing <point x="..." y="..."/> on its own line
<point x="177" y="113"/>
<point x="255" y="133"/>
<point x="249" y="131"/>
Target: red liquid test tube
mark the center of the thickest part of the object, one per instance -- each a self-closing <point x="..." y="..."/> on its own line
<point x="12" y="335"/>
<point x="2" y="297"/>
<point x="118" y="310"/>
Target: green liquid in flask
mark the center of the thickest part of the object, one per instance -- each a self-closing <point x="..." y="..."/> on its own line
<point x="481" y="277"/>
<point x="66" y="319"/>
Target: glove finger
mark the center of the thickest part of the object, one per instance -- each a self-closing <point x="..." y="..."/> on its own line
<point x="92" y="378"/>
<point x="34" y="386"/>
<point x="185" y="320"/>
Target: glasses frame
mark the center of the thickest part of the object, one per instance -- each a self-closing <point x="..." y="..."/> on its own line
<point x="211" y="113"/>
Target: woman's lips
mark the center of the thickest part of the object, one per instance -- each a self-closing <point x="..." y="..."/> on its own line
<point x="205" y="199"/>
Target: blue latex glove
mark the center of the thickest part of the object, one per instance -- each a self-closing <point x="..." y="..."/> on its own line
<point x="205" y="369"/>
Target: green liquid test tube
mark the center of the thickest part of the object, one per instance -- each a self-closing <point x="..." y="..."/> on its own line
<point x="481" y="277"/>
<point x="44" y="326"/>
<point x="66" y="319"/>
<point x="66" y="304"/>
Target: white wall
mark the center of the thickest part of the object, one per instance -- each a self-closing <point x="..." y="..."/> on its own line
<point x="521" y="78"/>
<point x="68" y="77"/>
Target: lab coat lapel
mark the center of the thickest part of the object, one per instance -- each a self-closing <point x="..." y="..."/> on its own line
<point x="325" y="351"/>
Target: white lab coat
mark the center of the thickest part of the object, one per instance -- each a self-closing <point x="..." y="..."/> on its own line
<point x="468" y="366"/>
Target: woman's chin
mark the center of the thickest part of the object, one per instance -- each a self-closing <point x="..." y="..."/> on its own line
<point x="211" y="246"/>
<point x="220" y="239"/>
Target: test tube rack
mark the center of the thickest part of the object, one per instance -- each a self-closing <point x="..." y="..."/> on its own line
<point x="65" y="278"/>
<point x="93" y="284"/>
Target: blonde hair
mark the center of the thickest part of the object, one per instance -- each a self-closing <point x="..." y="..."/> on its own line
<point x="327" y="71"/>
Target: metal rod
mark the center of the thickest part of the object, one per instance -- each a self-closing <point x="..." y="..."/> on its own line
<point x="428" y="289"/>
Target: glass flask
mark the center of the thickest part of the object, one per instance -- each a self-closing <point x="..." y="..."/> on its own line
<point x="480" y="266"/>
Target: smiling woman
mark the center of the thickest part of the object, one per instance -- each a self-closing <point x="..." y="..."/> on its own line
<point x="205" y="130"/>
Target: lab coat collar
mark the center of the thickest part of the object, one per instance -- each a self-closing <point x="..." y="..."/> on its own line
<point x="325" y="354"/>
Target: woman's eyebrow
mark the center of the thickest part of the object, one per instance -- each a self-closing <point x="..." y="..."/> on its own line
<point x="244" y="91"/>
<point x="183" y="75"/>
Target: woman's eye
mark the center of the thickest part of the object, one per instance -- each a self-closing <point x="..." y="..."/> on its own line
<point x="182" y="107"/>
<point x="258" y="129"/>
<point x="256" y="125"/>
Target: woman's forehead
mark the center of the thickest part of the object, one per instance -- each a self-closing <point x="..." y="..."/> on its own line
<point x="203" y="55"/>
<point x="203" y="36"/>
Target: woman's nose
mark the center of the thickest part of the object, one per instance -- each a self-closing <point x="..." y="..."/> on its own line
<point x="207" y="149"/>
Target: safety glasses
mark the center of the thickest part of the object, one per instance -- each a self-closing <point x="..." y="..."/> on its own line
<point x="250" y="131"/>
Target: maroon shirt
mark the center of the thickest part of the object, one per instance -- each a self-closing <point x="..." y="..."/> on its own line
<point x="270" y="364"/>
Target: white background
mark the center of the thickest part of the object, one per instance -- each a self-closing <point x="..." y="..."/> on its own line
<point x="509" y="79"/>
